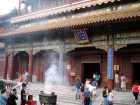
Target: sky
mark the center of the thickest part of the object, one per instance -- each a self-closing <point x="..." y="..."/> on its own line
<point x="6" y="6"/>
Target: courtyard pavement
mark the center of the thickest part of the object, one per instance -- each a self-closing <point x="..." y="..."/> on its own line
<point x="66" y="95"/>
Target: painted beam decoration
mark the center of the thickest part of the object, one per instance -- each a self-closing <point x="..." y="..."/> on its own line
<point x="81" y="35"/>
<point x="110" y="64"/>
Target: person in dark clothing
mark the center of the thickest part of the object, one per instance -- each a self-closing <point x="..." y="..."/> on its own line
<point x="82" y="94"/>
<point x="12" y="98"/>
<point x="105" y="95"/>
<point x="78" y="86"/>
<point x="94" y="83"/>
<point x="87" y="95"/>
<point x="23" y="94"/>
<point x="135" y="90"/>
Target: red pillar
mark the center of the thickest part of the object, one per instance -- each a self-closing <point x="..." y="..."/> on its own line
<point x="2" y="65"/>
<point x="30" y="65"/>
<point x="110" y="84"/>
<point x="6" y="66"/>
<point x="68" y="69"/>
<point x="10" y="66"/>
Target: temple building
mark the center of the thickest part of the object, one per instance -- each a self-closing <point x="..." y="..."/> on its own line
<point x="89" y="36"/>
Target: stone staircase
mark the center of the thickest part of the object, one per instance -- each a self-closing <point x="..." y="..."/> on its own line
<point x="65" y="94"/>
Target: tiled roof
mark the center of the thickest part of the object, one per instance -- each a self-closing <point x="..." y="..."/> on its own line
<point x="60" y="9"/>
<point x="102" y="15"/>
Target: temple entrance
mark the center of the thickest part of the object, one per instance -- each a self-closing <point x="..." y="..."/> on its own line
<point x="136" y="72"/>
<point x="89" y="69"/>
<point x="20" y="66"/>
<point x="41" y="63"/>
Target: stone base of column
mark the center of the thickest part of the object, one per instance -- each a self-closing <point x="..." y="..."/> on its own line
<point x="110" y="84"/>
<point x="8" y="77"/>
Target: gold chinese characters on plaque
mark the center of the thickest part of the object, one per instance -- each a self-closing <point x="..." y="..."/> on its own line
<point x="116" y="67"/>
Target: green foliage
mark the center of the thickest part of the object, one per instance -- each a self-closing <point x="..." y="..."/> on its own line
<point x="2" y="84"/>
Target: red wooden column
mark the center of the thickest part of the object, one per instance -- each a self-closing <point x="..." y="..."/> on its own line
<point x="2" y="65"/>
<point x="68" y="70"/>
<point x="30" y="65"/>
<point x="10" y="65"/>
<point x="6" y="66"/>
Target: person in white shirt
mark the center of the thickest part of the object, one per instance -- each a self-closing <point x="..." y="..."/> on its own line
<point x="110" y="97"/>
<point x="117" y="81"/>
<point x="94" y="76"/>
<point x="94" y="93"/>
<point x="123" y="82"/>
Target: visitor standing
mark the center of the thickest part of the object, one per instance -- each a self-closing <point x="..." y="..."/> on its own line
<point x="26" y="77"/>
<point x="94" y="94"/>
<point x="87" y="95"/>
<point x="12" y="98"/>
<point x="117" y="81"/>
<point x="31" y="101"/>
<point x="123" y="82"/>
<point x="105" y="96"/>
<point x="88" y="92"/>
<point x="94" y="76"/>
<point x="3" y="97"/>
<point x="21" y="78"/>
<point x="78" y="87"/>
<point x="97" y="78"/>
<point x="87" y="82"/>
<point x="82" y="94"/>
<point x="19" y="82"/>
<point x="23" y="94"/>
<point x="94" y="83"/>
<point x="135" y="90"/>
<point x="110" y="97"/>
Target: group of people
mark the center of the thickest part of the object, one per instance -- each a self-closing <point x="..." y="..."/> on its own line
<point x="107" y="96"/>
<point x="9" y="97"/>
<point x="120" y="82"/>
<point x="24" y="94"/>
<point x="96" y="79"/>
<point x="88" y="92"/>
<point x="24" y="77"/>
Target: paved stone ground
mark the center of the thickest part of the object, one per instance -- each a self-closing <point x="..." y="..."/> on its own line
<point x="66" y="95"/>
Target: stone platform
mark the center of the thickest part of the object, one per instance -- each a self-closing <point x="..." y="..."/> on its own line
<point x="66" y="95"/>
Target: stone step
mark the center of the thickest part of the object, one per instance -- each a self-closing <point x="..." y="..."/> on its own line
<point x="65" y="94"/>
